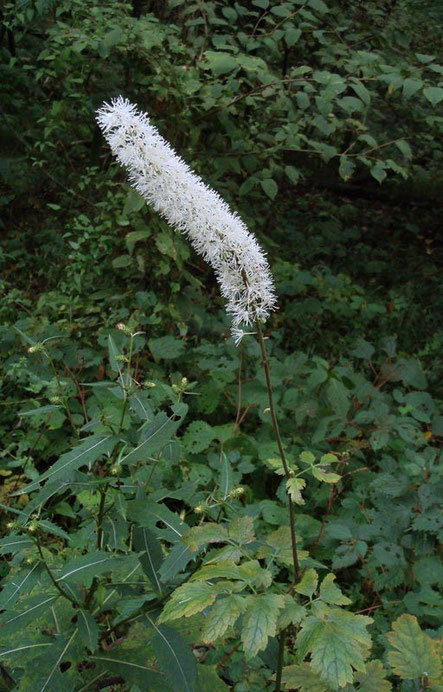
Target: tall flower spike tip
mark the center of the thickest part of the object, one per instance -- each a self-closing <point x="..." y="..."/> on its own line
<point x="191" y="207"/>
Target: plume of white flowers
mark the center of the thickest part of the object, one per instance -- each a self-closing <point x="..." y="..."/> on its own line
<point x="191" y="207"/>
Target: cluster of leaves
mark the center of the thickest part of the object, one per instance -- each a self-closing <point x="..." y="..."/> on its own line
<point x="143" y="504"/>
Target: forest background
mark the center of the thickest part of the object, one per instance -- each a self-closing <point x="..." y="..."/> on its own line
<point x="155" y="554"/>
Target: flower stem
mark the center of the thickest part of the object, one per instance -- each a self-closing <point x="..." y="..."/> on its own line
<point x="265" y="364"/>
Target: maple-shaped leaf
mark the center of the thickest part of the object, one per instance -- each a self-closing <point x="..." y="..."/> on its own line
<point x="330" y="593"/>
<point x="260" y="622"/>
<point x="222" y="615"/>
<point x="338" y="643"/>
<point x="294" y="487"/>
<point x="303" y="678"/>
<point x="187" y="600"/>
<point x="279" y="547"/>
<point x="416" y="654"/>
<point x="374" y="678"/>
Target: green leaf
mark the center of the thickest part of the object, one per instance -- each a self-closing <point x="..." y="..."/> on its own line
<point x="166" y="347"/>
<point x="338" y="643"/>
<point x="83" y="569"/>
<point x="198" y="437"/>
<point x="226" y="478"/>
<point x="291" y="36"/>
<point x="330" y="593"/>
<point x="260" y="622"/>
<point x="221" y="616"/>
<point x="318" y="5"/>
<point x="31" y="608"/>
<point x="199" y="536"/>
<point x="292" y="614"/>
<point x="176" y="561"/>
<point x="46" y="674"/>
<point x="338" y="397"/>
<point x="187" y="600"/>
<point x="325" y="476"/>
<point x="13" y="543"/>
<point x="220" y="62"/>
<point x="207" y="679"/>
<point x="373" y="680"/>
<point x="294" y="487"/>
<point x="433" y="94"/>
<point x="39" y="411"/>
<point x="416" y="653"/>
<point x="132" y="666"/>
<point x="362" y="92"/>
<point x="308" y="583"/>
<point x="134" y="202"/>
<point x="87" y="630"/>
<point x="153" y="438"/>
<point x="151" y="558"/>
<point x="241" y="530"/>
<point x="113" y="352"/>
<point x="85" y="453"/>
<point x="303" y="678"/>
<point x="403" y="146"/>
<point x="307" y="457"/>
<point x="411" y="86"/>
<point x="346" y="168"/>
<point x="18" y="581"/>
<point x="174" y="657"/>
<point x="270" y="187"/>
<point x="378" y="171"/>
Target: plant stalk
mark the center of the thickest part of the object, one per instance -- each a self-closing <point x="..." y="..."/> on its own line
<point x="265" y="364"/>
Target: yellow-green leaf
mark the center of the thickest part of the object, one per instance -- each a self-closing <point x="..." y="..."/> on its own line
<point x="308" y="583"/>
<point x="330" y="593"/>
<point x="416" y="653"/>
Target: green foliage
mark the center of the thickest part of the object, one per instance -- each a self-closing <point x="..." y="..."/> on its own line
<point x="143" y="503"/>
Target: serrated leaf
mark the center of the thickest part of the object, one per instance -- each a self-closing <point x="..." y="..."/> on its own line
<point x="241" y="530"/>
<point x="324" y="476"/>
<point x="132" y="666"/>
<point x="294" y="487"/>
<point x="220" y="62"/>
<point x="87" y="630"/>
<point x="330" y="593"/>
<point x="85" y="453"/>
<point x="17" y="582"/>
<point x="199" y="536"/>
<point x="260" y="622"/>
<point x="307" y="457"/>
<point x="416" y="653"/>
<point x="411" y="86"/>
<point x="303" y="678"/>
<point x="308" y="583"/>
<point x="373" y="680"/>
<point x="188" y="600"/>
<point x="151" y="558"/>
<point x="378" y="171"/>
<point x="221" y="616"/>
<point x="46" y="674"/>
<point x="198" y="437"/>
<point x="226" y="476"/>
<point x="174" y="657"/>
<point x="166" y="347"/>
<point x="338" y="643"/>
<point x="346" y="167"/>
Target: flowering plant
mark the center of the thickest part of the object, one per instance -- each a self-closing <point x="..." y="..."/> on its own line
<point x="193" y="208"/>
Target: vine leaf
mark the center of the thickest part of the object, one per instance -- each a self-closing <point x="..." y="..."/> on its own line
<point x="302" y="678"/>
<point x="416" y="653"/>
<point x="338" y="643"/>
<point x="308" y="583"/>
<point x="374" y="678"/>
<point x="199" y="536"/>
<point x="330" y="593"/>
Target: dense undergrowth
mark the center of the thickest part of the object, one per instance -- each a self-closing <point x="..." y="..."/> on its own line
<point x="143" y="511"/>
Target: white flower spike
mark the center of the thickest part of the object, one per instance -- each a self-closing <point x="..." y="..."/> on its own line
<point x="192" y="208"/>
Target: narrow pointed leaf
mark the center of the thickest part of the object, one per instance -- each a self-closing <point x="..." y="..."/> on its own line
<point x="151" y="558"/>
<point x="174" y="657"/>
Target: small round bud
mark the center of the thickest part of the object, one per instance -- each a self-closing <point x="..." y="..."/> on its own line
<point x="121" y="359"/>
<point x="115" y="470"/>
<point x="237" y="492"/>
<point x="29" y="560"/>
<point x="149" y="385"/>
<point x="267" y="410"/>
<point x="36" y="348"/>
<point x="55" y="400"/>
<point x="199" y="509"/>
<point x="123" y="328"/>
<point x="32" y="527"/>
<point x="184" y="383"/>
<point x="176" y="389"/>
<point x="11" y="525"/>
